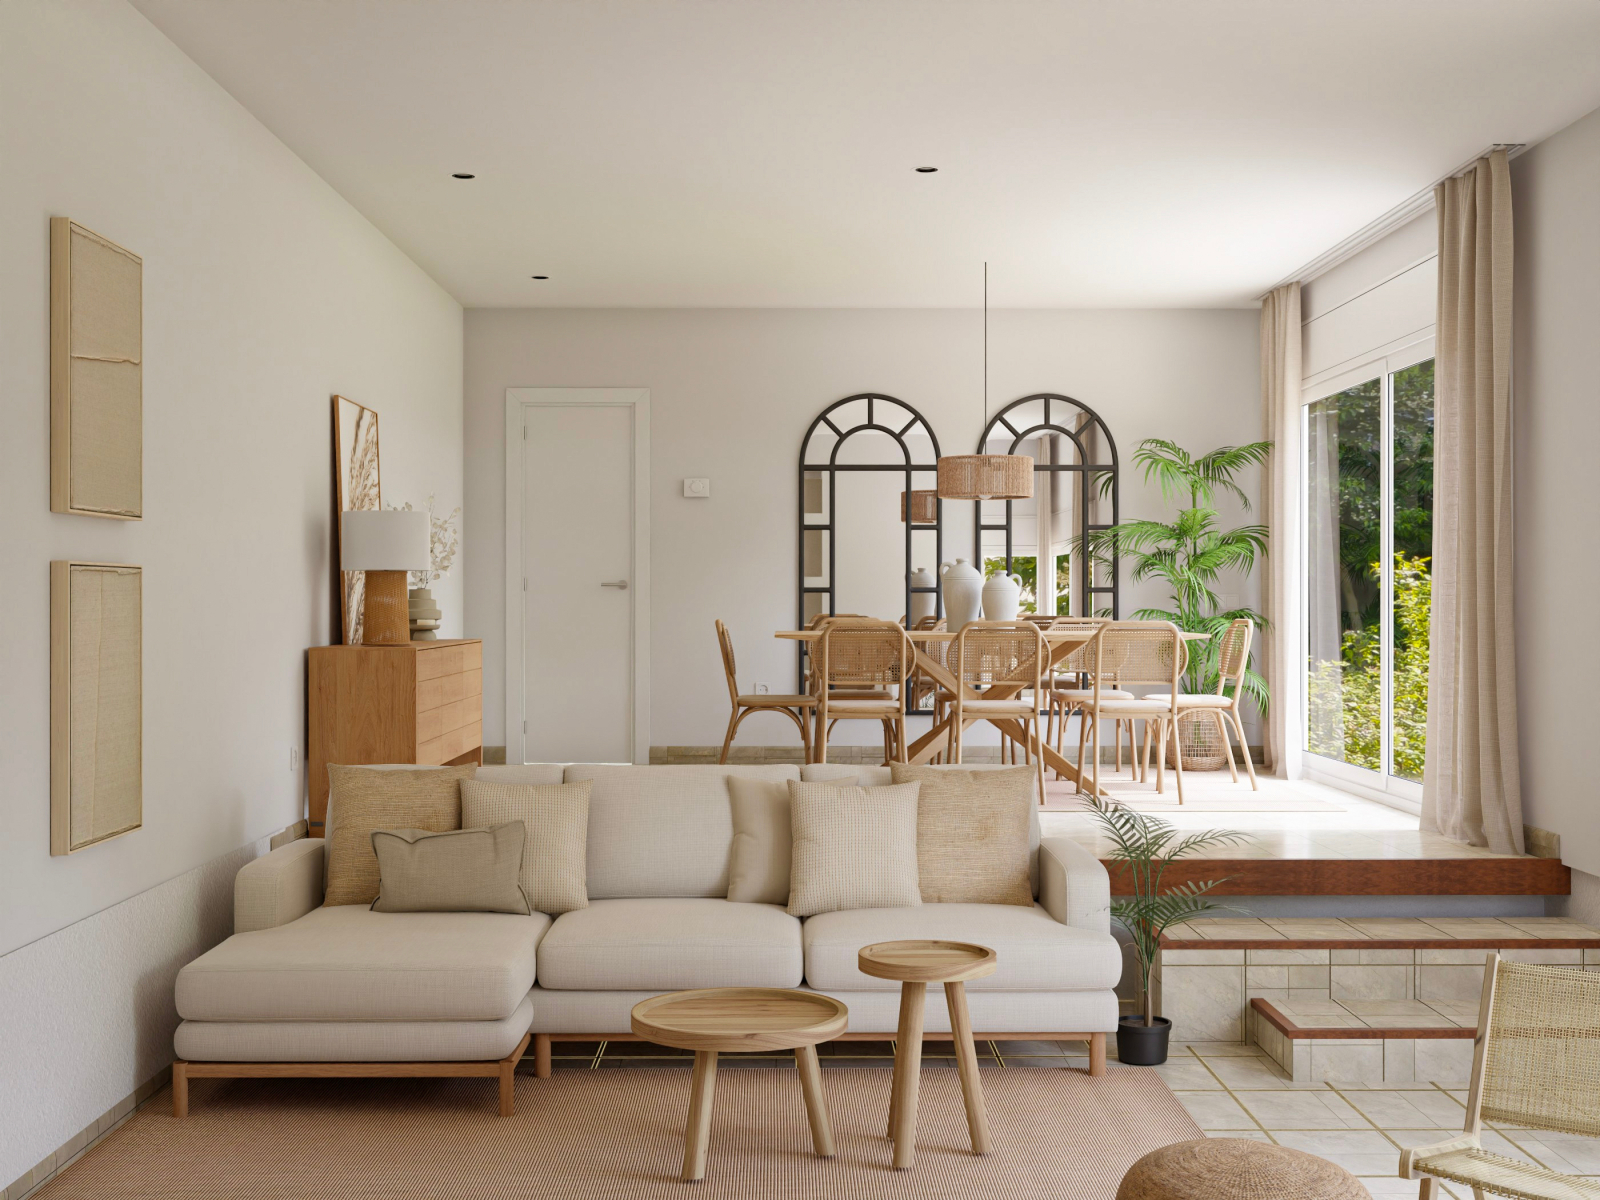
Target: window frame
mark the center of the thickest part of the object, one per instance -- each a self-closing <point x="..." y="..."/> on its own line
<point x="1383" y="364"/>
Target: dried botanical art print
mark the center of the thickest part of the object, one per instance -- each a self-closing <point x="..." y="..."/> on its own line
<point x="356" y="483"/>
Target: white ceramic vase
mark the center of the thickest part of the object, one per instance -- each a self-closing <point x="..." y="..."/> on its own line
<point x="963" y="592"/>
<point x="1001" y="597"/>
<point x="922" y="602"/>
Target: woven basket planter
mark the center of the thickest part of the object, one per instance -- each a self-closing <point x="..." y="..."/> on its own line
<point x="1203" y="746"/>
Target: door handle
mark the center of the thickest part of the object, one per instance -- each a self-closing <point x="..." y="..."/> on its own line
<point x="620" y="584"/>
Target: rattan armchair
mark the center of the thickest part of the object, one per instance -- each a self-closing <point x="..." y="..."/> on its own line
<point x="1001" y="656"/>
<point x="1144" y="652"/>
<point x="797" y="708"/>
<point x="1234" y="657"/>
<point x="863" y="672"/>
<point x="1537" y="1064"/>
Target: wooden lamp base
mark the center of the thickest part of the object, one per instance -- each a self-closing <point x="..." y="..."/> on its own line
<point x="385" y="613"/>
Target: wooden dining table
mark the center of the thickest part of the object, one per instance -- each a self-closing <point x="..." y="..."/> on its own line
<point x="1061" y="644"/>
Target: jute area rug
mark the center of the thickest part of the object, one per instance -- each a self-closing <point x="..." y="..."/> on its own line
<point x="618" y="1134"/>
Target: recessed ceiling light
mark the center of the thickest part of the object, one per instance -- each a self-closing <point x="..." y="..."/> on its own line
<point x="463" y="175"/>
<point x="539" y="277"/>
<point x="926" y="170"/>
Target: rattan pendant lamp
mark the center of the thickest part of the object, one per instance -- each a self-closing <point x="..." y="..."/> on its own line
<point x="986" y="476"/>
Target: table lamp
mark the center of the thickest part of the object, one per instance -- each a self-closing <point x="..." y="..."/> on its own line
<point x="386" y="544"/>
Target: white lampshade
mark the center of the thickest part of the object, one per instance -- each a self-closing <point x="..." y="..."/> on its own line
<point x="385" y="540"/>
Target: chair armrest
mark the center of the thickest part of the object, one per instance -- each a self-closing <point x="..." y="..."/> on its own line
<point x="1073" y="887"/>
<point x="1410" y="1158"/>
<point x="279" y="887"/>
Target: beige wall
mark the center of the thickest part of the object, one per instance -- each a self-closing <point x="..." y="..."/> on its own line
<point x="1557" y="389"/>
<point x="264" y="292"/>
<point x="731" y="395"/>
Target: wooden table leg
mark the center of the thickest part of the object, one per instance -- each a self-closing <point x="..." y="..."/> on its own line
<point x="698" y="1133"/>
<point x="907" y="1072"/>
<point x="955" y="995"/>
<point x="805" y="1058"/>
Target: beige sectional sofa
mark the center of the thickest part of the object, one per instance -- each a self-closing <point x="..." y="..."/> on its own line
<point x="299" y="983"/>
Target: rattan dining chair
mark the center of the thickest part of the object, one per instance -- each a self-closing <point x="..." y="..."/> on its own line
<point x="1232" y="659"/>
<point x="1001" y="655"/>
<point x="796" y="708"/>
<point x="1144" y="652"/>
<point x="1078" y="678"/>
<point x="863" y="673"/>
<point x="814" y="688"/>
<point x="1536" y="1064"/>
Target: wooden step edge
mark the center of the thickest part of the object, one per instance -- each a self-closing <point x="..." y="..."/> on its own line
<point x="1168" y="943"/>
<point x="1354" y="1033"/>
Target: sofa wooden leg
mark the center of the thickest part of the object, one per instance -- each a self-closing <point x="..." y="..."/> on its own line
<point x="508" y="1087"/>
<point x="1097" y="1054"/>
<point x="180" y="1089"/>
<point x="541" y="1056"/>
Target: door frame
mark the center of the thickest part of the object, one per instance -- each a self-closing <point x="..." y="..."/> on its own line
<point x="518" y="401"/>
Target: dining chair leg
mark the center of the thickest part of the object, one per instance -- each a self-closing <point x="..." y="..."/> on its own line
<point x="1177" y="757"/>
<point x="1144" y="757"/>
<point x="955" y="737"/>
<point x="1161" y="753"/>
<point x="1083" y="737"/>
<point x="1094" y="738"/>
<point x="1038" y="734"/>
<point x="1244" y="749"/>
<point x="1117" y="734"/>
<point x="819" y="749"/>
<point x="1227" y="746"/>
<point x="733" y="724"/>
<point x="805" y="734"/>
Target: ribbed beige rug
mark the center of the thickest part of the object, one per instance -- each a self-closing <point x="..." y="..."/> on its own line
<point x="617" y="1134"/>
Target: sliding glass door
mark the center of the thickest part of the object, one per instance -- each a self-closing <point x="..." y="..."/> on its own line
<point x="1368" y="538"/>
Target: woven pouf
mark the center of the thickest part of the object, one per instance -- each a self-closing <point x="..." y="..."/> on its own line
<point x="1237" y="1169"/>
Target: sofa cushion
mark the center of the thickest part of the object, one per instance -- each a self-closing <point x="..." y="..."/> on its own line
<point x="556" y="815"/>
<point x="361" y="799"/>
<point x="460" y="870"/>
<point x="1035" y="952"/>
<point x="763" y="841"/>
<point x="348" y="963"/>
<point x="972" y="833"/>
<point x="854" y="847"/>
<point x="668" y="944"/>
<point x="661" y="831"/>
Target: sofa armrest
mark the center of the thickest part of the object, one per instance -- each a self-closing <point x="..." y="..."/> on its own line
<point x="279" y="887"/>
<point x="1073" y="887"/>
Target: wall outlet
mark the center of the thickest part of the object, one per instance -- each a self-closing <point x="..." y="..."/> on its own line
<point x="294" y="759"/>
<point x="763" y="690"/>
<point x="697" y="489"/>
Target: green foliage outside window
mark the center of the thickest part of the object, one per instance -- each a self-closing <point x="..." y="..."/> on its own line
<point x="1028" y="569"/>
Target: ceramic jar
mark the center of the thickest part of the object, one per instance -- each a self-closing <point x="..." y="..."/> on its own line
<point x="921" y="602"/>
<point x="963" y="592"/>
<point x="1001" y="597"/>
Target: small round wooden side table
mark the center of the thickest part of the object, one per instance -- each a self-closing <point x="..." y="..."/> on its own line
<point x="710" y="1021"/>
<point x="916" y="965"/>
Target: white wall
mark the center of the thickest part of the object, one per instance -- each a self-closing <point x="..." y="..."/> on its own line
<point x="732" y="392"/>
<point x="1556" y="386"/>
<point x="264" y="293"/>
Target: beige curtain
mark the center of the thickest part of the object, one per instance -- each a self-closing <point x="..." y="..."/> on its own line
<point x="1280" y="576"/>
<point x="1470" y="787"/>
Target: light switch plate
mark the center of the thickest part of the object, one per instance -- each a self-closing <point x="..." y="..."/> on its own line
<point x="697" y="489"/>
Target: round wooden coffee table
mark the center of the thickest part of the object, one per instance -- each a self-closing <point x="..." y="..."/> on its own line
<point x="712" y="1021"/>
<point x="916" y="965"/>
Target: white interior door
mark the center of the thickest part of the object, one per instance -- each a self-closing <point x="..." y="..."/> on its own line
<point x="580" y="590"/>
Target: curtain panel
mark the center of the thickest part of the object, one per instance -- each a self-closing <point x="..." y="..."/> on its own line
<point x="1470" y="788"/>
<point x="1280" y="581"/>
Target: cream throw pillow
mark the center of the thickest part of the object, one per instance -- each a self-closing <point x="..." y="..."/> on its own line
<point x="361" y="799"/>
<point x="462" y="870"/>
<point x="554" y="870"/>
<point x="758" y="868"/>
<point x="972" y="834"/>
<point x="853" y="848"/>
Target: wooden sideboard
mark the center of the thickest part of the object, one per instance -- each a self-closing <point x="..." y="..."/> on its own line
<point x="421" y="702"/>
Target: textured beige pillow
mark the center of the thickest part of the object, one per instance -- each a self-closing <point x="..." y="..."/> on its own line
<point x="853" y="848"/>
<point x="758" y="868"/>
<point x="361" y="800"/>
<point x="461" y="870"/>
<point x="554" y="873"/>
<point x="972" y="834"/>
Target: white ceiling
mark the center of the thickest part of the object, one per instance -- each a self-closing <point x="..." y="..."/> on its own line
<point x="689" y="153"/>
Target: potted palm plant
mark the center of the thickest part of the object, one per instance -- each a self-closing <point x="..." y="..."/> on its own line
<point x="1189" y="553"/>
<point x="1148" y="845"/>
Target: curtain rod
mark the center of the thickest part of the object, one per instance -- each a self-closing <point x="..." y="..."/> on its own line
<point x="1413" y="206"/>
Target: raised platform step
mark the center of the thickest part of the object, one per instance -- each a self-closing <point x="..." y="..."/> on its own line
<point x="1380" y="1000"/>
<point x="1480" y="875"/>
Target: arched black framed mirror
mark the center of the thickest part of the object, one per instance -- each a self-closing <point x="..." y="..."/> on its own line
<point x="868" y="514"/>
<point x="1076" y="490"/>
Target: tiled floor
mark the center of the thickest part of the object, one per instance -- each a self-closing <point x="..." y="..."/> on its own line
<point x="1230" y="1089"/>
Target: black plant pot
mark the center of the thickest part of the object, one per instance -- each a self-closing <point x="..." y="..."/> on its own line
<point x="1139" y="1045"/>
